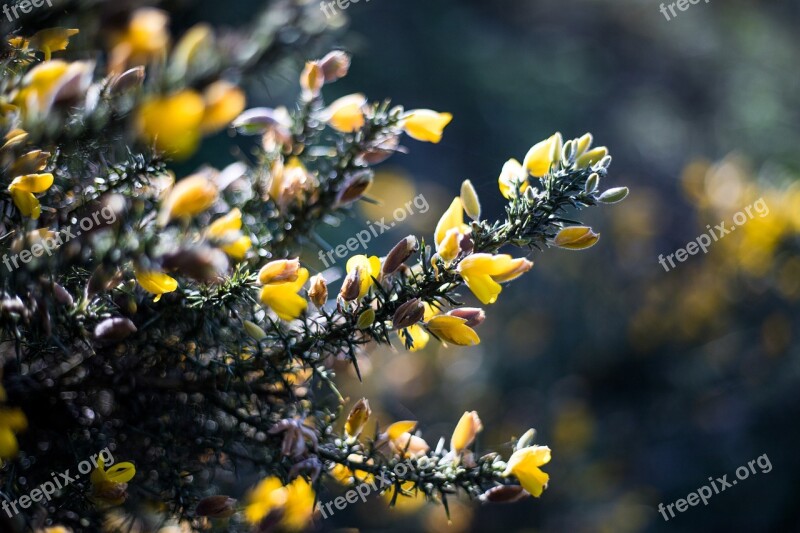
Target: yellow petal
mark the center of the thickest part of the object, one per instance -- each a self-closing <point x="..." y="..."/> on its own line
<point x="156" y="282"/>
<point x="283" y="298"/>
<point x="453" y="330"/>
<point x="227" y="223"/>
<point x="542" y="155"/>
<point x="576" y="238"/>
<point x="173" y="122"/>
<point x="396" y="430"/>
<point x="33" y="183"/>
<point x="120" y="473"/>
<point x="238" y="248"/>
<point x="512" y="173"/>
<point x="52" y="39"/>
<point x="467" y="428"/>
<point x="347" y="113"/>
<point x="453" y="218"/>
<point x="224" y="102"/>
<point x="279" y="271"/>
<point x="8" y="444"/>
<point x="419" y="336"/>
<point x="14" y="419"/>
<point x="368" y="268"/>
<point x="189" y="197"/>
<point x="426" y="125"/>
<point x="524" y="465"/>
<point x="27" y="203"/>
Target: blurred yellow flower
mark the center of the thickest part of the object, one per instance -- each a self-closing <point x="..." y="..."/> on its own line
<point x="426" y="125"/>
<point x="347" y="113"/>
<point x="279" y="271"/>
<point x="172" y="123"/>
<point x="224" y="102"/>
<point x="283" y="298"/>
<point x="145" y="39"/>
<point x="513" y="172"/>
<point x="453" y="330"/>
<point x="50" y="81"/>
<point x="483" y="273"/>
<point x="357" y="418"/>
<point x="543" y="155"/>
<point x="52" y="40"/>
<point x="12" y="421"/>
<point x="156" y="282"/>
<point x="22" y="189"/>
<point x="524" y="465"/>
<point x="189" y="197"/>
<point x="226" y="230"/>
<point x="296" y="500"/>
<point x="364" y="269"/>
<point x="467" y="428"/>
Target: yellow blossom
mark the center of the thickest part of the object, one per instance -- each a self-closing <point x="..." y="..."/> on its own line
<point x="189" y="197"/>
<point x="109" y="485"/>
<point x="50" y="80"/>
<point x="283" y="298"/>
<point x="52" y="40"/>
<point x="466" y="430"/>
<point x="524" y="465"/>
<point x="347" y="113"/>
<point x="223" y="103"/>
<point x="146" y="38"/>
<point x="311" y="80"/>
<point x="357" y="418"/>
<point x="513" y="172"/>
<point x="543" y="155"/>
<point x="418" y="335"/>
<point x="403" y="442"/>
<point x="295" y="500"/>
<point x="22" y="189"/>
<point x="172" y="123"/>
<point x="483" y="273"/>
<point x="279" y="271"/>
<point x="156" y="282"/>
<point x="426" y="125"/>
<point x="365" y="268"/>
<point x="12" y="421"/>
<point x="576" y="238"/>
<point x="450" y="230"/>
<point x="454" y="330"/>
<point x="227" y="231"/>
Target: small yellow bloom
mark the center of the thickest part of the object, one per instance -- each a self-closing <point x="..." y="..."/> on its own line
<point x="466" y="430"/>
<point x="12" y="421"/>
<point x="156" y="282"/>
<point x="513" y="172"/>
<point x="311" y="80"/>
<point x="22" y="189"/>
<point x="189" y="197"/>
<point x="50" y="80"/>
<point x="224" y="102"/>
<point x="426" y="125"/>
<point x="146" y="38"/>
<point x="449" y="231"/>
<point x="347" y="113"/>
<point x="357" y="418"/>
<point x="172" y="123"/>
<point x="365" y="268"/>
<point x="291" y="183"/>
<point x="543" y="155"/>
<point x="403" y="442"/>
<point x="109" y="485"/>
<point x="318" y="291"/>
<point x="483" y="273"/>
<point x="295" y="500"/>
<point x="52" y="40"/>
<point x="33" y="161"/>
<point x="576" y="238"/>
<point x="454" y="330"/>
<point x="524" y="465"/>
<point x="227" y="231"/>
<point x="283" y="298"/>
<point x="470" y="200"/>
<point x="27" y="204"/>
<point x="279" y="271"/>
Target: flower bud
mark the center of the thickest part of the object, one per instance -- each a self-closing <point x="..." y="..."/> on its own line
<point x="591" y="157"/>
<point x="592" y="183"/>
<point x="366" y="319"/>
<point x="355" y="187"/>
<point x="318" y="291"/>
<point x="612" y="196"/>
<point x="408" y="314"/>
<point x="576" y="238"/>
<point x="201" y="263"/>
<point x="357" y="418"/>
<point x="311" y="80"/>
<point x="189" y="197"/>
<point x="62" y="296"/>
<point x="254" y="330"/>
<point x="335" y="65"/>
<point x="568" y="152"/>
<point x="526" y="439"/>
<point x="216" y="507"/>
<point x="114" y="329"/>
<point x="130" y="79"/>
<point x="399" y="254"/>
<point x="583" y="144"/>
<point x="279" y="271"/>
<point x="470" y="201"/>
<point x="466" y="430"/>
<point x="381" y="151"/>
<point x="473" y="315"/>
<point x="503" y="494"/>
<point x="351" y="287"/>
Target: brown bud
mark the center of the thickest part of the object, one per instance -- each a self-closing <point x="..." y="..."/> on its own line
<point x="504" y="494"/>
<point x="466" y="244"/>
<point x="318" y="291"/>
<point x="351" y="287"/>
<point x="408" y="314"/>
<point x="399" y="254"/>
<point x="473" y="315"/>
<point x="216" y="507"/>
<point x="62" y="296"/>
<point x="130" y="79"/>
<point x="335" y="65"/>
<point x="355" y="187"/>
<point x="114" y="329"/>
<point x="202" y="263"/>
<point x="381" y="151"/>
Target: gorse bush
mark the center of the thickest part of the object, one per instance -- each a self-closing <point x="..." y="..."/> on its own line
<point x="172" y="320"/>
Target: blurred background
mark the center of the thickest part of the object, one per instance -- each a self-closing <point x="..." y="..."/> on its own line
<point x="644" y="382"/>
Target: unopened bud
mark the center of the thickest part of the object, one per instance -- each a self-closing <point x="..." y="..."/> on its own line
<point x="335" y="65"/>
<point x="591" y="157"/>
<point x="254" y="330"/>
<point x="576" y="238"/>
<point x="357" y="418"/>
<point x="503" y="494"/>
<point x="612" y="196"/>
<point x="568" y="152"/>
<point x="470" y="201"/>
<point x="114" y="329"/>
<point x="473" y="315"/>
<point x="355" y="187"/>
<point x="351" y="287"/>
<point x="203" y="263"/>
<point x="399" y="254"/>
<point x="584" y="143"/>
<point x="366" y="319"/>
<point x="318" y="290"/>
<point x="130" y="79"/>
<point x="62" y="296"/>
<point x="526" y="439"/>
<point x="408" y="314"/>
<point x="311" y="80"/>
<point x="216" y="507"/>
<point x="592" y="182"/>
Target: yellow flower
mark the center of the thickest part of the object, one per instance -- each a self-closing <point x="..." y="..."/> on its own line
<point x="52" y="80"/>
<point x="483" y="273"/>
<point x="22" y="189"/>
<point x="279" y="271"/>
<point x="524" y="465"/>
<point x="189" y="197"/>
<point x="513" y="172"/>
<point x="109" y="485"/>
<point x="291" y="183"/>
<point x="357" y="418"/>
<point x="543" y="155"/>
<point x="311" y="80"/>
<point x="296" y="500"/>
<point x="156" y="282"/>
<point x="223" y="103"/>
<point x="364" y="269"/>
<point x="173" y="122"/>
<point x="346" y="476"/>
<point x="227" y="231"/>
<point x="454" y="330"/>
<point x="466" y="430"/>
<point x="146" y="38"/>
<point x="346" y="114"/>
<point x="283" y="298"/>
<point x="576" y="238"/>
<point x="11" y="421"/>
<point x="402" y="442"/>
<point x="426" y="125"/>
<point x="52" y="40"/>
<point x="450" y="230"/>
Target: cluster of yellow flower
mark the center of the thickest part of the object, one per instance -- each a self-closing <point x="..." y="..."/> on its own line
<point x="12" y="421"/>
